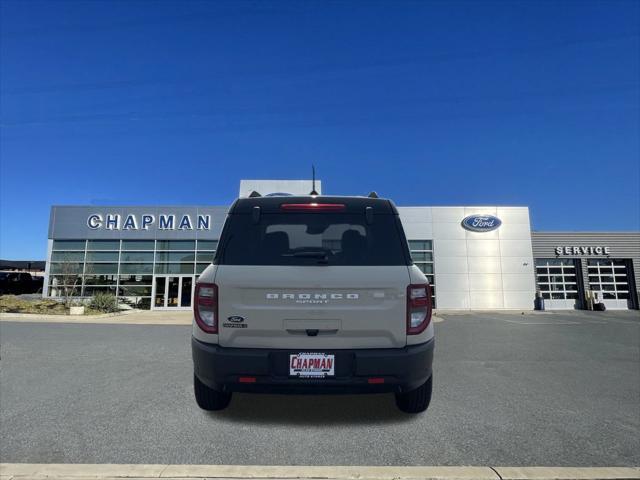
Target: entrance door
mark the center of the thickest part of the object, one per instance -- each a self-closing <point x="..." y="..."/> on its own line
<point x="172" y="292"/>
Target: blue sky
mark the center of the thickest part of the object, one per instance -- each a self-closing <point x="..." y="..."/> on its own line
<point x="429" y="103"/>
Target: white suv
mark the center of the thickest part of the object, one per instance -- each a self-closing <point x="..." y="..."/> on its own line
<point x="313" y="294"/>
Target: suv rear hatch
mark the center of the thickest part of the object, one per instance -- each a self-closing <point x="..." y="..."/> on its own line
<point x="298" y="275"/>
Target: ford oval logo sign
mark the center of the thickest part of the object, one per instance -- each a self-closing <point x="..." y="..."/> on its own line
<point x="481" y="223"/>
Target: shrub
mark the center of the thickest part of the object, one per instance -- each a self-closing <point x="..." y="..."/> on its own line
<point x="104" y="302"/>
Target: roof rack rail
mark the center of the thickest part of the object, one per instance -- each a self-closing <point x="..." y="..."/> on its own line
<point x="373" y="195"/>
<point x="254" y="194"/>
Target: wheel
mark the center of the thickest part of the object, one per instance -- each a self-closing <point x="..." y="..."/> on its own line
<point x="209" y="399"/>
<point x="417" y="400"/>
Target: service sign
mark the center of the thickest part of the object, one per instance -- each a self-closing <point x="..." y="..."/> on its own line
<point x="481" y="223"/>
<point x="583" y="250"/>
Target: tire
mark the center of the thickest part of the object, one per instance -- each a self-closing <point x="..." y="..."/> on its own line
<point x="209" y="399"/>
<point x="417" y="400"/>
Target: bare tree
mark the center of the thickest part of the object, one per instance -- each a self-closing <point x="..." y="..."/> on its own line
<point x="68" y="272"/>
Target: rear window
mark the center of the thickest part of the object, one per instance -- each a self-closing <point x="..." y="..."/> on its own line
<point x="312" y="239"/>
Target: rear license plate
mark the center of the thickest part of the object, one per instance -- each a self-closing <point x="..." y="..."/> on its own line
<point x="311" y="365"/>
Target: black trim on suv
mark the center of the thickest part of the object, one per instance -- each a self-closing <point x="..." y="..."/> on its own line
<point x="403" y="369"/>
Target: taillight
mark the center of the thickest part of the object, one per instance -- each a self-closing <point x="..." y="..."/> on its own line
<point x="205" y="307"/>
<point x="313" y="207"/>
<point x="418" y="308"/>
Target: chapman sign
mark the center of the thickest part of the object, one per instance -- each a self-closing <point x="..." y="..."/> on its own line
<point x="144" y="222"/>
<point x="589" y="250"/>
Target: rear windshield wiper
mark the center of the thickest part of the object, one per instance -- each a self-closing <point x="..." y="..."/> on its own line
<point x="309" y="254"/>
<point x="322" y="256"/>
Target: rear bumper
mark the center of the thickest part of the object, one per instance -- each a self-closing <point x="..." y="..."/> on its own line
<point x="402" y="369"/>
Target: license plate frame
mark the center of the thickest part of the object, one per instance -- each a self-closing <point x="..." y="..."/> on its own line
<point x="312" y="365"/>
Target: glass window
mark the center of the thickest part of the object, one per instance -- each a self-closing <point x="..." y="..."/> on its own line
<point x="102" y="256"/>
<point x="100" y="279"/>
<point x="555" y="270"/>
<point x="175" y="256"/>
<point x="176" y="245"/>
<point x="67" y="256"/>
<point x="136" y="257"/>
<point x="544" y="287"/>
<point x="66" y="268"/>
<point x="68" y="244"/>
<point x="90" y="291"/>
<point x="300" y="239"/>
<point x="425" y="267"/>
<point x="55" y="280"/>
<point x="136" y="268"/>
<point x="420" y="245"/>
<point x="557" y="296"/>
<point x="136" y="279"/>
<point x="205" y="257"/>
<point x="186" y="268"/>
<point x="422" y="256"/>
<point x="201" y="266"/>
<point x="103" y="245"/>
<point x="130" y="291"/>
<point x="543" y="279"/>
<point x="207" y="244"/>
<point x="101" y="268"/>
<point x="138" y="244"/>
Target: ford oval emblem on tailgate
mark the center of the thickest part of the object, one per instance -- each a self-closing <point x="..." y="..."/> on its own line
<point x="236" y="319"/>
<point x="481" y="223"/>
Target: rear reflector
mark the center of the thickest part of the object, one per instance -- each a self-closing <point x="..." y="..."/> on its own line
<point x="313" y="207"/>
<point x="247" y="379"/>
<point x="376" y="380"/>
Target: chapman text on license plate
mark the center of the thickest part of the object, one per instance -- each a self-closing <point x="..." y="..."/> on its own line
<point x="309" y="364"/>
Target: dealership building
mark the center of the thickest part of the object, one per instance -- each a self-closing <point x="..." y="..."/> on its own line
<point x="476" y="257"/>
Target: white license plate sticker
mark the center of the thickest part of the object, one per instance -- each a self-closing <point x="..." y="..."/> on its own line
<point x="312" y="365"/>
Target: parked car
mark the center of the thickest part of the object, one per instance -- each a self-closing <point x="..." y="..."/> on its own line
<point x="18" y="283"/>
<point x="313" y="295"/>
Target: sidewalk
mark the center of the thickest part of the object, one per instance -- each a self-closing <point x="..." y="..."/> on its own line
<point x="126" y="317"/>
<point x="18" y="471"/>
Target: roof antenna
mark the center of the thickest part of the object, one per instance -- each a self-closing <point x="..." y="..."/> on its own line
<point x="313" y="182"/>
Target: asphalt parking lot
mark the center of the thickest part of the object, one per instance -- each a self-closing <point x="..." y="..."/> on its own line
<point x="535" y="389"/>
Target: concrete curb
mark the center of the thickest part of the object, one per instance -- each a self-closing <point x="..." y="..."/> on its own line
<point x="23" y="471"/>
<point x="128" y="317"/>
<point x="34" y="316"/>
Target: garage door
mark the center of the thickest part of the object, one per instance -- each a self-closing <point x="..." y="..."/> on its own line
<point x="558" y="283"/>
<point x="610" y="280"/>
